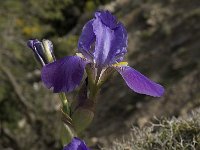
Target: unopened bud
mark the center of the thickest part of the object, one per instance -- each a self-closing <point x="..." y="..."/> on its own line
<point x="48" y="50"/>
<point x="43" y="50"/>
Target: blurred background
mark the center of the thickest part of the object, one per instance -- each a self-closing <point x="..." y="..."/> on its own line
<point x="164" y="44"/>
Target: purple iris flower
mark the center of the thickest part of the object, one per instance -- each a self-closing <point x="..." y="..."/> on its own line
<point x="103" y="44"/>
<point x="76" y="144"/>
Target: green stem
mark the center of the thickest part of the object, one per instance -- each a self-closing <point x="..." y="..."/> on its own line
<point x="93" y="93"/>
<point x="65" y="104"/>
<point x="68" y="131"/>
<point x="90" y="77"/>
<point x="92" y="83"/>
<point x="68" y="124"/>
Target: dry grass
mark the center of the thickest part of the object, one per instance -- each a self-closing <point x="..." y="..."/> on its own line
<point x="174" y="134"/>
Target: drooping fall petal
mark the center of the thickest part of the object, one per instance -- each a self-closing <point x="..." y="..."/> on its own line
<point x="63" y="75"/>
<point x="139" y="83"/>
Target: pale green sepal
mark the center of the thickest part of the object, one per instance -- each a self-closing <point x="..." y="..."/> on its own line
<point x="106" y="74"/>
<point x="67" y="130"/>
<point x="67" y="134"/>
<point x="65" y="104"/>
<point x="82" y="118"/>
<point x="47" y="50"/>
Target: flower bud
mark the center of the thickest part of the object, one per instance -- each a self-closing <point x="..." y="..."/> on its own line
<point x="76" y="144"/>
<point x="43" y="50"/>
<point x="37" y="48"/>
<point x="48" y="50"/>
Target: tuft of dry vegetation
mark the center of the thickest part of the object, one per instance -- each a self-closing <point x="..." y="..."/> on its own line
<point x="174" y="134"/>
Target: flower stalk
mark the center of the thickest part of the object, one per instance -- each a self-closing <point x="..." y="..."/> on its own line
<point x="65" y="104"/>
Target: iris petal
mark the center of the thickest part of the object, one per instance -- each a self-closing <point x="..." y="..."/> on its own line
<point x="119" y="45"/>
<point x="63" y="75"/>
<point x="111" y="42"/>
<point x="86" y="39"/>
<point x="107" y="18"/>
<point x="104" y="38"/>
<point x="109" y="36"/>
<point x="36" y="46"/>
<point x="139" y="83"/>
<point x="76" y="144"/>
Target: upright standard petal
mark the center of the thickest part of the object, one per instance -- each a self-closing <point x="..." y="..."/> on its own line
<point x="107" y="18"/>
<point x="139" y="83"/>
<point x="76" y="144"/>
<point x="111" y="41"/>
<point x="86" y="39"/>
<point x="119" y="45"/>
<point x="104" y="38"/>
<point x="63" y="75"/>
